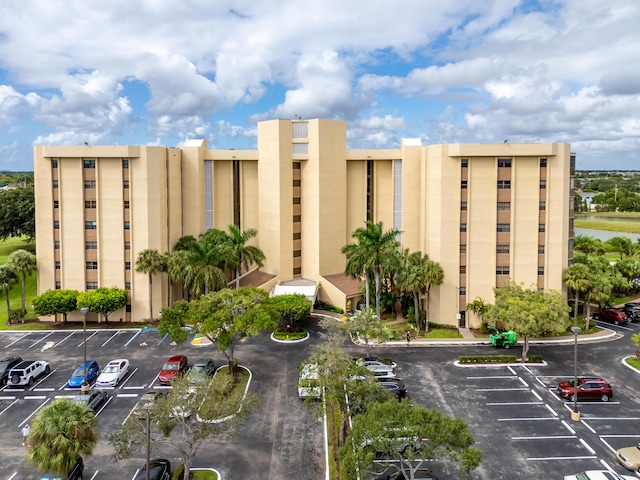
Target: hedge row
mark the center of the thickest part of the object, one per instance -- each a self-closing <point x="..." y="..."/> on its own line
<point x="497" y="359"/>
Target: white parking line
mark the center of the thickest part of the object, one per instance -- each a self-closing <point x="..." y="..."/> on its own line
<point x="551" y="410"/>
<point x="561" y="458"/>
<point x="548" y="437"/>
<point x="501" y="389"/>
<point x="65" y="338"/>
<point x="492" y="377"/>
<point x="494" y="404"/>
<point x="587" y="446"/>
<point x="535" y="394"/>
<point x="126" y="395"/>
<point x="568" y="427"/>
<point x="16" y="341"/>
<point x="35" y="397"/>
<point x="88" y="338"/>
<point x="8" y="407"/>
<point x="525" y="419"/>
<point x="38" y="341"/>
<point x="111" y="338"/>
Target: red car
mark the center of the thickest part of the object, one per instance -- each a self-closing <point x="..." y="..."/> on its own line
<point x="588" y="388"/>
<point x="175" y="366"/>
<point x="611" y="315"/>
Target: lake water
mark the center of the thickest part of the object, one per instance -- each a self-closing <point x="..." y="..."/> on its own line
<point x="611" y="219"/>
<point x="604" y="234"/>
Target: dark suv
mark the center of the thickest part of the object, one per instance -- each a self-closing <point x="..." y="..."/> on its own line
<point x="588" y="388"/>
<point x="74" y="474"/>
<point x="632" y="309"/>
<point x="159" y="469"/>
<point x="611" y="315"/>
<point x="7" y="364"/>
<point x="394" y="386"/>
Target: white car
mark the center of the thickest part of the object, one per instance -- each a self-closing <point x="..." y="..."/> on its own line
<point x="598" y="475"/>
<point x="113" y="373"/>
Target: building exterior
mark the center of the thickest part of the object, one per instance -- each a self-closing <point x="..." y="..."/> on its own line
<point x="486" y="213"/>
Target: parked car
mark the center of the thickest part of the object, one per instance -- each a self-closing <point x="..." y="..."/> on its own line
<point x="419" y="474"/>
<point x="146" y="401"/>
<point x="159" y="469"/>
<point x="113" y="373"/>
<point x="383" y="360"/>
<point x="611" y="315"/>
<point x="77" y="377"/>
<point x="74" y="474"/>
<point x="395" y="386"/>
<point x="6" y="364"/>
<point x="598" y="475"/>
<point x="201" y="369"/>
<point x="632" y="310"/>
<point x="308" y="385"/>
<point x="94" y="399"/>
<point x="588" y="388"/>
<point x="176" y="365"/>
<point x="629" y="457"/>
<point x="382" y="374"/>
<point x="26" y="372"/>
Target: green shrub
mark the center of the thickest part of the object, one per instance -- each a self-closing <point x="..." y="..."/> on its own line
<point x="290" y="335"/>
<point x="484" y="328"/>
<point x="327" y="307"/>
<point x="178" y="473"/>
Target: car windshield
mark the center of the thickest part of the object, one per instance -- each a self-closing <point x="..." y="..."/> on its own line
<point x="171" y="366"/>
<point x="111" y="369"/>
<point x="79" y="372"/>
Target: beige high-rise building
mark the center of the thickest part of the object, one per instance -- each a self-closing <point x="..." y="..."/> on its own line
<point x="487" y="213"/>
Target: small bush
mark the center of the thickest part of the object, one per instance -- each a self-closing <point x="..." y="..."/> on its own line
<point x="178" y="473"/>
<point x="290" y="335"/>
<point x="327" y="307"/>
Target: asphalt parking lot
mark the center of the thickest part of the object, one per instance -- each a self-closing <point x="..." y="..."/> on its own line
<point x="522" y="426"/>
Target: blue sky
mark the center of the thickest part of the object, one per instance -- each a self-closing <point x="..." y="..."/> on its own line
<point x="156" y="72"/>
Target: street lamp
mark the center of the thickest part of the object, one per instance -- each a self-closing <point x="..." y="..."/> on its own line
<point x="84" y="311"/>
<point x="575" y="414"/>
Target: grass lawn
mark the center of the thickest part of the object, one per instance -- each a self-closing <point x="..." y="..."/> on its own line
<point x="15" y="293"/>
<point x="434" y="332"/>
<point x="621" y="225"/>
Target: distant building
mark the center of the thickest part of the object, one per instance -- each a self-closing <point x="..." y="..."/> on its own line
<point x="486" y="213"/>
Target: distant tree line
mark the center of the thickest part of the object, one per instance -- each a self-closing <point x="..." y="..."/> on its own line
<point x="17" y="212"/>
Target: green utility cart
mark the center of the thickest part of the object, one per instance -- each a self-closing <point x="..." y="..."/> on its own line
<point x="502" y="339"/>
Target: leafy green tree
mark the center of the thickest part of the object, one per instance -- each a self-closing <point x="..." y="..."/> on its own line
<point x="225" y="317"/>
<point x="7" y="278"/>
<point x="17" y="213"/>
<point x="187" y="416"/>
<point x="60" y="432"/>
<point x="367" y="327"/>
<point x="621" y="245"/>
<point x="588" y="245"/>
<point x="202" y="263"/>
<point x="431" y="436"/>
<point x="290" y="309"/>
<point x="150" y="261"/>
<point x="479" y="307"/>
<point x="23" y="263"/>
<point x="578" y="278"/>
<point x="374" y="251"/>
<point x="104" y="300"/>
<point x="54" y="302"/>
<point x="530" y="312"/>
<point x="238" y="254"/>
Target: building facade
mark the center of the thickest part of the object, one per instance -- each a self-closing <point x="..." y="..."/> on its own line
<point x="487" y="213"/>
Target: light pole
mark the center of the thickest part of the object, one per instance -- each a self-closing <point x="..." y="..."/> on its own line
<point x="575" y="414"/>
<point x="84" y="311"/>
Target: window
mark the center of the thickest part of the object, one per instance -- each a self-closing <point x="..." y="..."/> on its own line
<point x="463" y="206"/>
<point x="297" y="165"/>
<point x="297" y="218"/>
<point x="463" y="291"/>
<point x="127" y="225"/>
<point x="56" y="204"/>
<point x="89" y="164"/>
<point x="54" y="163"/>
<point x="463" y="248"/>
<point x="126" y="204"/>
<point x="503" y="206"/>
<point x="463" y="184"/>
<point x="56" y="224"/>
<point x="297" y="271"/>
<point x="504" y="184"/>
<point x="57" y="265"/>
<point x="463" y="227"/>
<point x="540" y="270"/>
<point x="89" y="204"/>
<point x="541" y="228"/>
<point x="127" y="285"/>
<point x="503" y="227"/>
<point x="502" y="248"/>
<point x="127" y="245"/>
<point x="125" y="163"/>
<point x="297" y="236"/>
<point x="89" y="184"/>
<point x="543" y="184"/>
<point x="299" y="148"/>
<point x="91" y="225"/>
<point x="125" y="184"/>
<point x="296" y="201"/>
<point x="91" y="265"/>
<point x="540" y="249"/>
<point x="128" y="308"/>
<point x="297" y="183"/>
<point x="504" y="163"/>
<point x="502" y="270"/>
<point x="297" y="253"/>
<point x="91" y="286"/>
<point x="56" y="245"/>
<point x="463" y="269"/>
<point x="90" y="245"/>
<point x="127" y="265"/>
<point x="464" y="163"/>
<point x="299" y="130"/>
<point x="55" y="184"/>
<point x="542" y="206"/>
<point x="58" y="285"/>
<point x="543" y="162"/>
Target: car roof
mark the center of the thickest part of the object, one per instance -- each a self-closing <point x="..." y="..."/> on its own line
<point x="117" y="361"/>
<point x="176" y="358"/>
<point x="202" y="361"/>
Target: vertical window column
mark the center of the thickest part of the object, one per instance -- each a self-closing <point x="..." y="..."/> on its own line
<point x="297" y="218"/>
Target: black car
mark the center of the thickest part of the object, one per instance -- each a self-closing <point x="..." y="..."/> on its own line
<point x="159" y="469"/>
<point x="7" y="364"/>
<point x="632" y="309"/>
<point x="74" y="474"/>
<point x="419" y="474"/>
<point x="394" y="386"/>
<point x="94" y="399"/>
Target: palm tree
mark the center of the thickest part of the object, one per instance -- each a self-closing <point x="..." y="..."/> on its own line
<point x="150" y="261"/>
<point x="411" y="279"/>
<point x="7" y="278"/>
<point x="60" y="432"/>
<point x="203" y="263"/>
<point x="588" y="245"/>
<point x="374" y="250"/>
<point x="579" y="279"/>
<point x="23" y="263"/>
<point x="621" y="245"/>
<point x="434" y="276"/>
<point x="239" y="254"/>
<point x="479" y="307"/>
